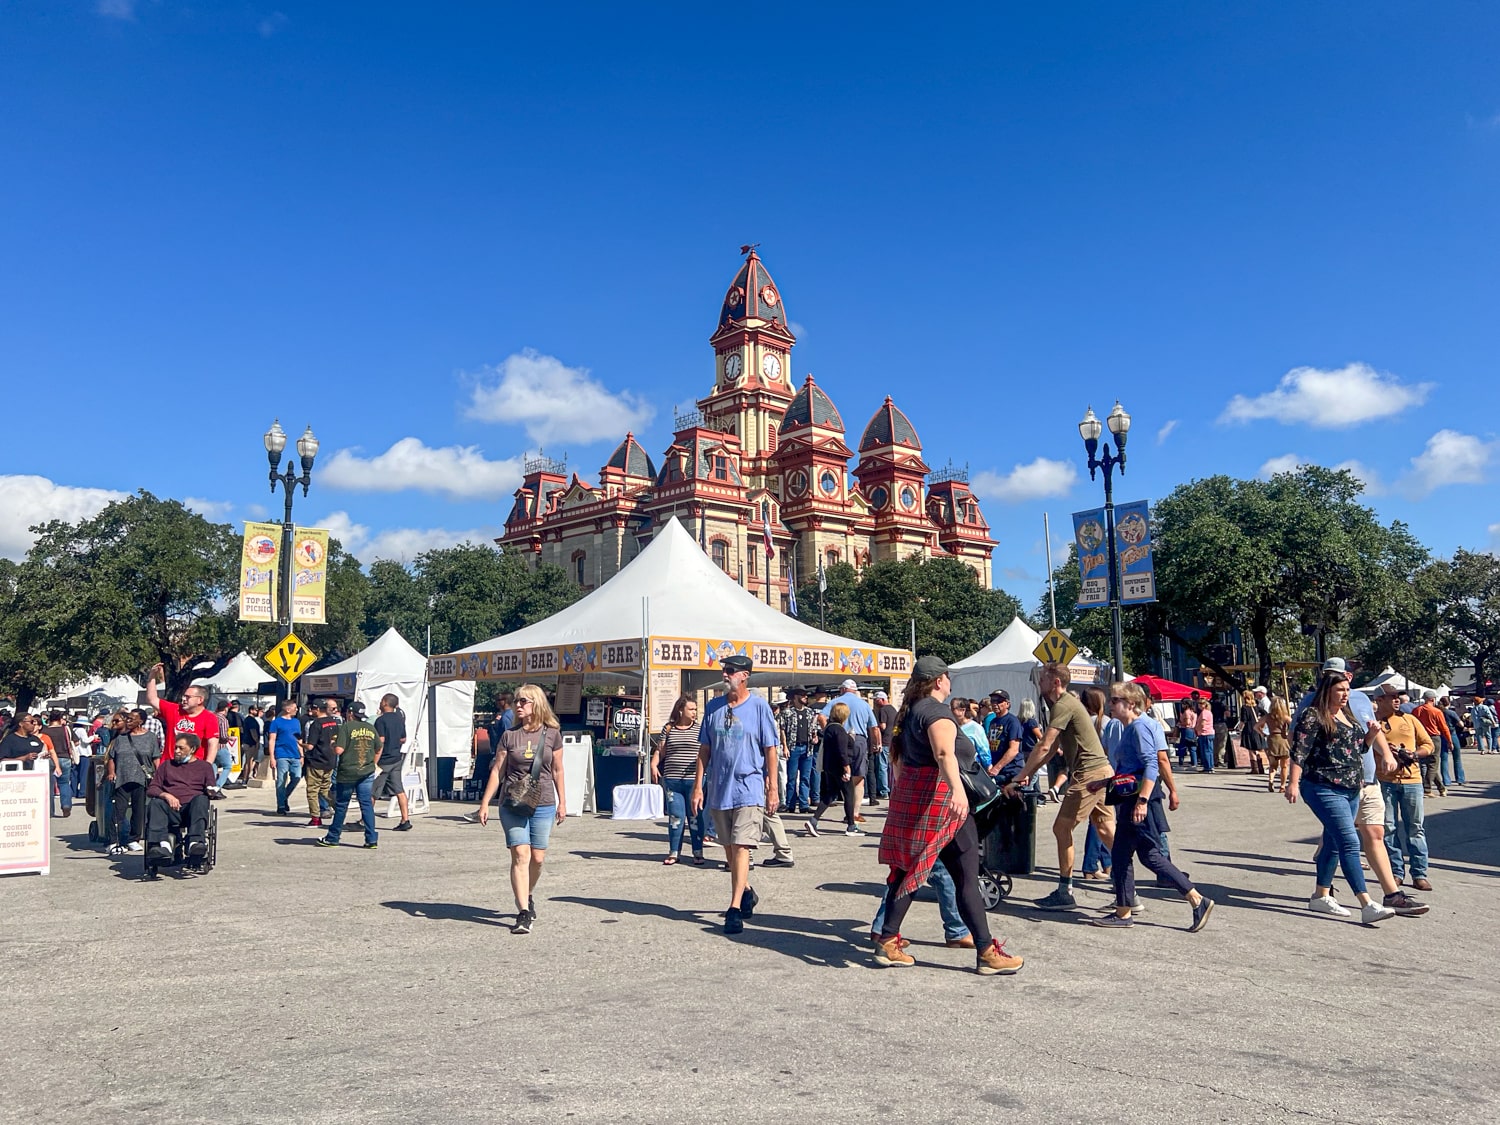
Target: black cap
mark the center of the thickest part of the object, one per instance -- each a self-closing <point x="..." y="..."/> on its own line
<point x="357" y="709"/>
<point x="737" y="664"/>
<point x="929" y="667"/>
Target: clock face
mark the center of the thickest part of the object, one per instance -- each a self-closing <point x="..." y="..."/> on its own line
<point x="734" y="367"/>
<point x="768" y="295"/>
<point x="770" y="366"/>
<point x="908" y="497"/>
<point x="796" y="484"/>
<point x="829" y="483"/>
<point x="879" y="497"/>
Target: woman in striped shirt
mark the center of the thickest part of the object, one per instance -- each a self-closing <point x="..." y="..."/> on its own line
<point x="674" y="763"/>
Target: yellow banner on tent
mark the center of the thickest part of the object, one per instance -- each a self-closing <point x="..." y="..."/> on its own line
<point x="309" y="576"/>
<point x="259" y="560"/>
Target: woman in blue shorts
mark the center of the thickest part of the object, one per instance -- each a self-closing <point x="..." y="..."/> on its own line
<point x="528" y="828"/>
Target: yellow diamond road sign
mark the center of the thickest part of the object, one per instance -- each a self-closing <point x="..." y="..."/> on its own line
<point x="290" y="658"/>
<point x="1055" y="648"/>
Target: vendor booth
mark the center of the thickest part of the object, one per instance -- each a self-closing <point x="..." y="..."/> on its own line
<point x="241" y="678"/>
<point x="665" y="621"/>
<point x="100" y="695"/>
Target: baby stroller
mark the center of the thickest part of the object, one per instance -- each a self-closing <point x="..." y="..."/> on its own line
<point x="1006" y="829"/>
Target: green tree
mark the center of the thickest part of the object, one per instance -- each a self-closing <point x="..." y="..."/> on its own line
<point x="477" y="593"/>
<point x="840" y="601"/>
<point x="398" y="599"/>
<point x="1470" y="612"/>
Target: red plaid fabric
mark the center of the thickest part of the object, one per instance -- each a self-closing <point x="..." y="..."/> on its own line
<point x="918" y="825"/>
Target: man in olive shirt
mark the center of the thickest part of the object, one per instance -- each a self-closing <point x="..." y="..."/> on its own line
<point x="356" y="745"/>
<point x="1071" y="729"/>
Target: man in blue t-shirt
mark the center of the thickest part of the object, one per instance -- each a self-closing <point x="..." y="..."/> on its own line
<point x="739" y="747"/>
<point x="1005" y="733"/>
<point x="284" y="744"/>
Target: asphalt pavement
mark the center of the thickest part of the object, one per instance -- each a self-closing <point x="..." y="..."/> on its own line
<point x="295" y="983"/>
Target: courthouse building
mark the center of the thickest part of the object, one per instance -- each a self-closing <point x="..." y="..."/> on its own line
<point x="760" y="447"/>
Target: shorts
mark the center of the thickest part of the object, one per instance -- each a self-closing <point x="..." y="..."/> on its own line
<point x="532" y="831"/>
<point x="740" y="825"/>
<point x="389" y="783"/>
<point x="1078" y="804"/>
<point x="1371" y="807"/>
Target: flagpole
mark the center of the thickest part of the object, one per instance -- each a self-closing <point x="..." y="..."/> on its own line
<point x="1051" y="579"/>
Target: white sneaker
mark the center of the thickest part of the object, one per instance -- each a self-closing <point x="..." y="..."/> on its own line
<point x="1326" y="904"/>
<point x="135" y="847"/>
<point x="1373" y="912"/>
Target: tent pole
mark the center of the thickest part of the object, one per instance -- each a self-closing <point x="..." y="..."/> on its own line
<point x="1051" y="578"/>
<point x="642" y="773"/>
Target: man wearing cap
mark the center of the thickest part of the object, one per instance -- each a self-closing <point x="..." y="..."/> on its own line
<point x="356" y="744"/>
<point x="1430" y="715"/>
<point x="800" y="733"/>
<point x="1262" y="699"/>
<point x="737" y="760"/>
<point x="862" y="727"/>
<point x="885" y="719"/>
<point x="1405" y="836"/>
<point x="1005" y="733"/>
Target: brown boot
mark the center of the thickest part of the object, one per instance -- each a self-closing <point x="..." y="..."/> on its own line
<point x="993" y="960"/>
<point x="890" y="954"/>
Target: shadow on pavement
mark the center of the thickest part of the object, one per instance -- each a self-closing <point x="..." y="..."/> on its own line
<point x="1467" y="833"/>
<point x="451" y="912"/>
<point x="653" y="858"/>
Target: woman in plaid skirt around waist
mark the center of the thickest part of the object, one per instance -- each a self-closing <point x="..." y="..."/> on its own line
<point x="928" y="819"/>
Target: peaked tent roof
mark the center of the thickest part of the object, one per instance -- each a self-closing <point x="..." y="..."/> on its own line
<point x="1015" y="645"/>
<point x="242" y="674"/>
<point x="390" y="653"/>
<point x="122" y="688"/>
<point x="689" y="597"/>
<point x="1390" y="675"/>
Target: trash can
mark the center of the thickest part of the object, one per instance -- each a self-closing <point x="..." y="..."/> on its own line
<point x="1010" y="845"/>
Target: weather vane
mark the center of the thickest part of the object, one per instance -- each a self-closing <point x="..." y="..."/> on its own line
<point x="749" y="247"/>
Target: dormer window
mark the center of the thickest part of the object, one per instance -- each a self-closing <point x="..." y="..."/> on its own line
<point x="721" y="468"/>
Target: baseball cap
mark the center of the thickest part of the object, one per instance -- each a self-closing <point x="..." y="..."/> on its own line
<point x="1258" y="690"/>
<point x="1390" y="689"/>
<point x="737" y="664"/>
<point x="1429" y="694"/>
<point x="1335" y="664"/>
<point x="1000" y="695"/>
<point x="929" y="667"/>
<point x="357" y="709"/>
<point x="849" y="685"/>
<point x="881" y="695"/>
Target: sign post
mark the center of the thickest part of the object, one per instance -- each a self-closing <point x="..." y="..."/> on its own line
<point x="25" y="817"/>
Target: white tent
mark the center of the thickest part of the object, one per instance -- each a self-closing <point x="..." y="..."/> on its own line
<point x="691" y="614"/>
<point x="390" y="664"/>
<point x="1391" y="676"/>
<point x="241" y="676"/>
<point x="1006" y="662"/>
<point x="114" y="692"/>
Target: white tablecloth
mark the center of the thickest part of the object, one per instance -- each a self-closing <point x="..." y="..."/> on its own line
<point x="638" y="802"/>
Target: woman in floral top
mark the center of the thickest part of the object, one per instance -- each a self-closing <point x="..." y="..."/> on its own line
<point x="1328" y="747"/>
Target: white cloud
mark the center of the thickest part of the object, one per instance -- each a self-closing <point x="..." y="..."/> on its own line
<point x="554" y="402"/>
<point x="1291" y="462"/>
<point x="1448" y="458"/>
<point x="1166" y="431"/>
<point x="256" y="511"/>
<point x="459" y="472"/>
<point x="208" y="509"/>
<point x="399" y="543"/>
<point x="1039" y="478"/>
<point x="797" y="330"/>
<point x="1329" y="400"/>
<point x="28" y="501"/>
<point x="116" y="9"/>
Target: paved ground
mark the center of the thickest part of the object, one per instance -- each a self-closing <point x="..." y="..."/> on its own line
<point x="295" y="983"/>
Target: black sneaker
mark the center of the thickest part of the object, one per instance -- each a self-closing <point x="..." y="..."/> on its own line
<point x="748" y="901"/>
<point x="776" y="861"/>
<point x="531" y="906"/>
<point x="1200" y="914"/>
<point x="523" y="923"/>
<point x="161" y="852"/>
<point x="197" y="849"/>
<point x="371" y="847"/>
<point x="325" y="842"/>
<point x="733" y="921"/>
<point x="1057" y="900"/>
<point x="404" y="826"/>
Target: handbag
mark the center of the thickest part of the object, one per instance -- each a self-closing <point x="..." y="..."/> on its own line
<point x="1121" y="789"/>
<point x="979" y="786"/>
<point x="523" y="791"/>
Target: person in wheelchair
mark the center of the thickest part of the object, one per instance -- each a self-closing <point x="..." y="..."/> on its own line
<point x="179" y="796"/>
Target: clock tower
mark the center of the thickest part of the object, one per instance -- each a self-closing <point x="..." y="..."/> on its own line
<point x="752" y="357"/>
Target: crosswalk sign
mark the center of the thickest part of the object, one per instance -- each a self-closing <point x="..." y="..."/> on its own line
<point x="290" y="658"/>
<point x="1055" y="648"/>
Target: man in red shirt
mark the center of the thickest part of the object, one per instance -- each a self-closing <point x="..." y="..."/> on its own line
<point x="1430" y="715"/>
<point x="190" y="717"/>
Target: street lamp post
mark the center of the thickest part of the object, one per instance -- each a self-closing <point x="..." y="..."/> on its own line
<point x="307" y="450"/>
<point x="1090" y="429"/>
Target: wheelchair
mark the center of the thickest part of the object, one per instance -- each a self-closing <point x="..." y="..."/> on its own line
<point x="190" y="865"/>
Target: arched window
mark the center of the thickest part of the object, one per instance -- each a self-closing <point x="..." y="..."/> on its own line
<point x="771" y="438"/>
<point x="831" y="556"/>
<point x="718" y="550"/>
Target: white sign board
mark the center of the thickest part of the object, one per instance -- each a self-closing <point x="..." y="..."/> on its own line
<point x="25" y="817"/>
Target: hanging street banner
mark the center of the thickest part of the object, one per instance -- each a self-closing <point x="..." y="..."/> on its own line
<point x="309" y="576"/>
<point x="259" y="564"/>
<point x="1133" y="550"/>
<point x="1093" y="558"/>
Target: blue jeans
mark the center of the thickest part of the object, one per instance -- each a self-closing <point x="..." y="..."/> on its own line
<point x="947" y="897"/>
<point x="288" y="773"/>
<point x="62" y="785"/>
<point x="363" y="790"/>
<point x="1494" y="738"/>
<point x="1094" y="854"/>
<point x="880" y="774"/>
<point x="224" y="760"/>
<point x="1335" y="809"/>
<point x="799" y="775"/>
<point x="1451" y="747"/>
<point x="1206" y="752"/>
<point x="679" y="794"/>
<point x="81" y="776"/>
<point x="1405" y="834"/>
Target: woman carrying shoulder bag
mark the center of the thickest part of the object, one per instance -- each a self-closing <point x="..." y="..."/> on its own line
<point x="133" y="753"/>
<point x="528" y="774"/>
<point x="674" y="764"/>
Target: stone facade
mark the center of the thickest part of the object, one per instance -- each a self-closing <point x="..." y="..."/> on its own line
<point x="757" y="451"/>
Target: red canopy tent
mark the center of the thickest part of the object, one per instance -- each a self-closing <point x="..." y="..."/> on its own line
<point x="1165" y="691"/>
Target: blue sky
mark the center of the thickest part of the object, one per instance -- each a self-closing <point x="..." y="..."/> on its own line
<point x="447" y="235"/>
